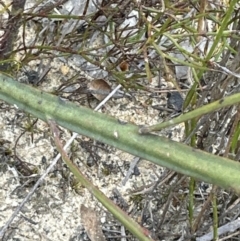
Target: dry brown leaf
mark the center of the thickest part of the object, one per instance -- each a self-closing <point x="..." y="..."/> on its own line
<point x="124" y="66"/>
<point x="99" y="88"/>
<point x="91" y="224"/>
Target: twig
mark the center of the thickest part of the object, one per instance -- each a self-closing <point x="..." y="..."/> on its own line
<point x="198" y="220"/>
<point x="133" y="163"/>
<point x="13" y="25"/>
<point x="123" y="233"/>
<point x="229" y="227"/>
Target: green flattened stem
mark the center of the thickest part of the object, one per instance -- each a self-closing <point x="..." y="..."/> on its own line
<point x="162" y="151"/>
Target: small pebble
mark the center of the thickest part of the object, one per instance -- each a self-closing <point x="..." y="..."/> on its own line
<point x="175" y="101"/>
